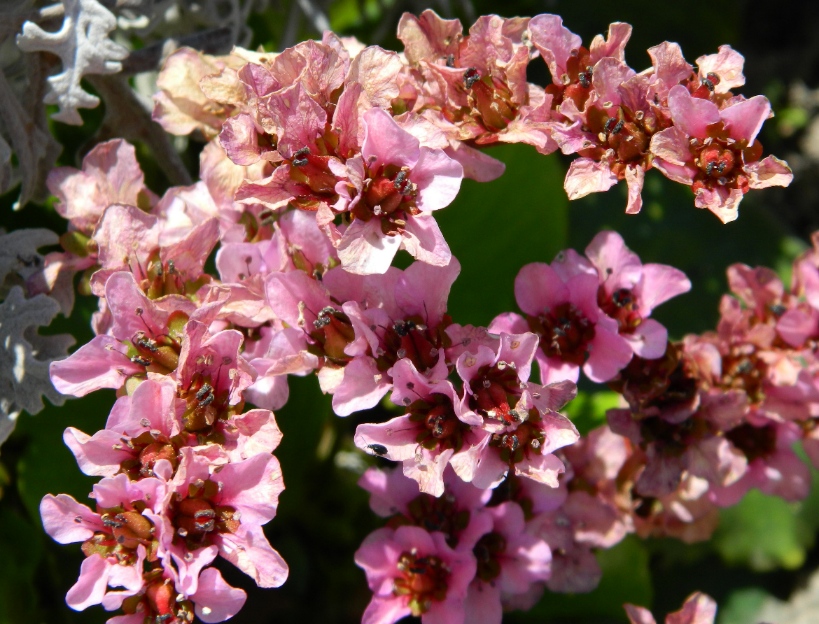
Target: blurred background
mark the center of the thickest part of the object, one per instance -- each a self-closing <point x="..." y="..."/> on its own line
<point x="759" y="564"/>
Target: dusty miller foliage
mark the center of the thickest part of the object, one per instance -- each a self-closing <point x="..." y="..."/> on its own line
<point x="24" y="353"/>
<point x="91" y="39"/>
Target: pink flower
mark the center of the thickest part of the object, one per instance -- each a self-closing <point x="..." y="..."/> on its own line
<point x="117" y="539"/>
<point x="459" y="512"/>
<point x="224" y="511"/>
<point x="412" y="572"/>
<point x="629" y="290"/>
<point x="511" y="560"/>
<point x="715" y="151"/>
<point x="434" y="432"/>
<point x="522" y="418"/>
<point x="390" y="191"/>
<point x="560" y="304"/>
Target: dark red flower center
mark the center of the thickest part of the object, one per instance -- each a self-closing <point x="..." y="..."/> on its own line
<point x="565" y="333"/>
<point x="488" y="552"/>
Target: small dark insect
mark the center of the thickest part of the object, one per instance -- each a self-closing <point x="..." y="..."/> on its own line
<point x="378" y="449"/>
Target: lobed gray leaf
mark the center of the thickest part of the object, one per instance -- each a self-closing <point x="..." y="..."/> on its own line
<point x="83" y="45"/>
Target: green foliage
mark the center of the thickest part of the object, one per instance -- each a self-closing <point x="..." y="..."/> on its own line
<point x="495" y="228"/>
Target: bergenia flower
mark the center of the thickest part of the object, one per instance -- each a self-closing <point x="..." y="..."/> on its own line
<point x="629" y="290"/>
<point x="412" y="572"/>
<point x="561" y="308"/>
<point x="390" y="191"/>
<point x="715" y="151"/>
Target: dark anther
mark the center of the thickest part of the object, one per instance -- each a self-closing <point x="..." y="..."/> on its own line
<point x="141" y="361"/>
<point x="300" y="157"/>
<point x="204" y="391"/>
<point x="450" y="60"/>
<point x="207" y="400"/>
<point x="622" y="297"/>
<point x="147" y="343"/>
<point x="323" y="317"/>
<point x="585" y="77"/>
<point x="709" y="168"/>
<point x="171" y="267"/>
<point x="471" y="76"/>
<point x="398" y="183"/>
<point x="402" y="328"/>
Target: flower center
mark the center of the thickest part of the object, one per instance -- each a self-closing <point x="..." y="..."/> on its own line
<point x="490" y="101"/>
<point x="197" y="517"/>
<point x="720" y="160"/>
<point x="332" y="331"/>
<point x="441" y="428"/>
<point x="412" y="339"/>
<point x="621" y="306"/>
<point x="438" y="514"/>
<point x="123" y="531"/>
<point x="488" y="551"/>
<point x="422" y="579"/>
<point x="564" y="333"/>
<point x="495" y="391"/>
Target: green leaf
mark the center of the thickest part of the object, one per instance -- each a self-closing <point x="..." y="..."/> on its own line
<point x="494" y="228"/>
<point x="764" y="533"/>
<point x="742" y="606"/>
<point x="588" y="410"/>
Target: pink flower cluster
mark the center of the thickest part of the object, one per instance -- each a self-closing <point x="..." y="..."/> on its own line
<point x="187" y="473"/>
<point x="716" y="415"/>
<point x="330" y="158"/>
<point x="372" y="142"/>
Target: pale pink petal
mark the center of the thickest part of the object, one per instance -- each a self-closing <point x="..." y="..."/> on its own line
<point x="215" y="600"/>
<point x="671" y="145"/>
<point x="554" y="42"/>
<point x="538" y="288"/>
<point x="362" y="388"/>
<point x="477" y="165"/>
<point x="66" y="520"/>
<point x="423" y="239"/>
<point x="639" y="615"/>
<point x="438" y="178"/>
<point x="249" y="550"/>
<point x="588" y="176"/>
<point x="649" y="340"/>
<point x="385" y="142"/>
<point x="744" y="119"/>
<point x="635" y="175"/>
<point x="727" y="64"/>
<point x="98" y="364"/>
<point x="691" y="115"/>
<point x="382" y="610"/>
<point x="364" y="249"/>
<point x="91" y="585"/>
<point x="770" y="171"/>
